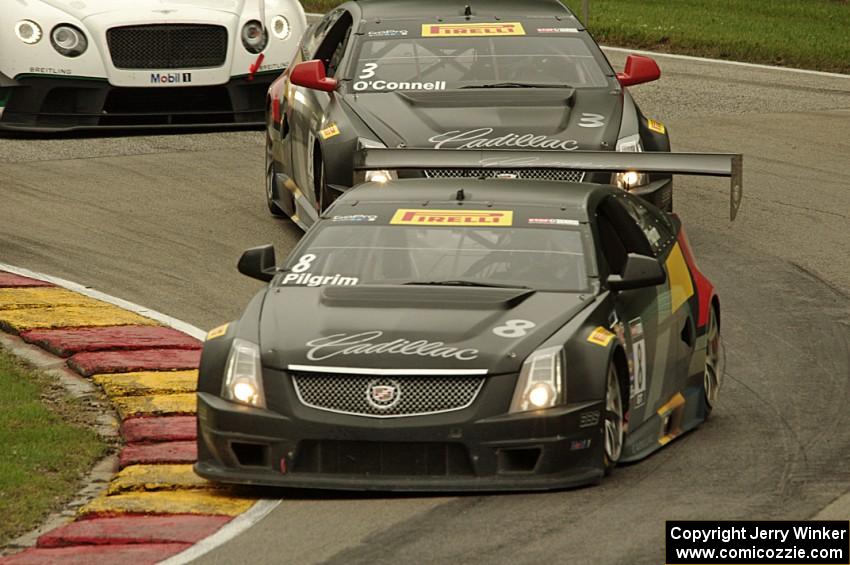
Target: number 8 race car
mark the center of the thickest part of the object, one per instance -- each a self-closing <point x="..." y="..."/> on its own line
<point x="122" y="63"/>
<point x="467" y="334"/>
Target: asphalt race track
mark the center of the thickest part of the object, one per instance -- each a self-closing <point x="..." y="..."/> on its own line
<point x="161" y="220"/>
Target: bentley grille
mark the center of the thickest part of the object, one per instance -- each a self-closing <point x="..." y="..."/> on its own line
<point x="167" y="46"/>
<point x="563" y="175"/>
<point x="386" y="396"/>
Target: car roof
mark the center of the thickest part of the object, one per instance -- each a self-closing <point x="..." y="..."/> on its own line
<point x="405" y="9"/>
<point x="571" y="200"/>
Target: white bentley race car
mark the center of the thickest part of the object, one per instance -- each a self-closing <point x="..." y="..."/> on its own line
<point x="70" y="64"/>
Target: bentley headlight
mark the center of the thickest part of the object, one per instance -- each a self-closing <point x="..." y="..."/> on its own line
<point x="68" y="40"/>
<point x="243" y="377"/>
<point x="541" y="381"/>
<point x="280" y="27"/>
<point x="28" y="31"/>
<point x="254" y="36"/>
<point x="629" y="179"/>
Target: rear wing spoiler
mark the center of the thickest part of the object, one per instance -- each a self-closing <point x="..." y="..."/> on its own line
<point x="699" y="164"/>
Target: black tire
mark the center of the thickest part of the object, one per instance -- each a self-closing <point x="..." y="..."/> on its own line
<point x="324" y="195"/>
<point x="270" y="171"/>
<point x="713" y="351"/>
<point x="614" y="419"/>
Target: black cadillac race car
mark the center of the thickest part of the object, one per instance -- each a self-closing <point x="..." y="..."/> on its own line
<point x="453" y="334"/>
<point x="448" y="74"/>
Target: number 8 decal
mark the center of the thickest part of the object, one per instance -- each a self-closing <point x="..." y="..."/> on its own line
<point x="514" y="328"/>
<point x="304" y="263"/>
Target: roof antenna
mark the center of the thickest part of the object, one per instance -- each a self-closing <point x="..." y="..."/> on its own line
<point x="460" y="196"/>
<point x="467" y="11"/>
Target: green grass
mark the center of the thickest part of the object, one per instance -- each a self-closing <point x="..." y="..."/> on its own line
<point x="45" y="448"/>
<point x="810" y="34"/>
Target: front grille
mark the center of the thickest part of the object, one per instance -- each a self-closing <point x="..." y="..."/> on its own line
<point x="416" y="395"/>
<point x="563" y="175"/>
<point x="167" y="46"/>
<point x="382" y="458"/>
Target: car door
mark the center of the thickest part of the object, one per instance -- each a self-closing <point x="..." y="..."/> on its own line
<point x="328" y="46"/>
<point x="645" y="314"/>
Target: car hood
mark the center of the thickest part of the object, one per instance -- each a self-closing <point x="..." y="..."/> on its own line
<point x="410" y="327"/>
<point x="558" y="119"/>
<point x="82" y="9"/>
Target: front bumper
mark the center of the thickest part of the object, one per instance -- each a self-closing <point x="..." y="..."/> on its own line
<point x="41" y="103"/>
<point x="457" y="451"/>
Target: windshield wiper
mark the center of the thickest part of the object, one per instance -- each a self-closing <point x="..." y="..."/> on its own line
<point x="466" y="283"/>
<point x="517" y="85"/>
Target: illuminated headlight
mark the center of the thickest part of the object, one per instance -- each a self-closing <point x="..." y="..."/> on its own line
<point x="541" y="381"/>
<point x="380" y="177"/>
<point x="629" y="179"/>
<point x="254" y="36"/>
<point x="28" y="31"/>
<point x="243" y="380"/>
<point x="68" y="40"/>
<point x="280" y="27"/>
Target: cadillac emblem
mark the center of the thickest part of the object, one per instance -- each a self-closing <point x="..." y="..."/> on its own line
<point x="383" y="394"/>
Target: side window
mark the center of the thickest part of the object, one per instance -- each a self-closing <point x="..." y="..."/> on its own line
<point x="316" y="33"/>
<point x="332" y="48"/>
<point x="612" y="247"/>
<point x="619" y="234"/>
<point x="655" y="225"/>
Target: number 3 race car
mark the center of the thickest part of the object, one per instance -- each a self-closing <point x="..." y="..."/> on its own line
<point x="117" y="63"/>
<point x="495" y="75"/>
<point x="482" y="334"/>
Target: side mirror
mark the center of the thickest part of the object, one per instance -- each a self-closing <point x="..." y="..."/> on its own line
<point x="641" y="271"/>
<point x="258" y="263"/>
<point x="638" y="70"/>
<point x="311" y="74"/>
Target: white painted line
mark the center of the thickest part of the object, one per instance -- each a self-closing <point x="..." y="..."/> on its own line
<point x="229" y="531"/>
<point x="180" y="325"/>
<point x="724" y="62"/>
<point x="239" y="524"/>
<point x="700" y="59"/>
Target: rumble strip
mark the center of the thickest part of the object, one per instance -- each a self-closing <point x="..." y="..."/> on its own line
<point x="155" y="507"/>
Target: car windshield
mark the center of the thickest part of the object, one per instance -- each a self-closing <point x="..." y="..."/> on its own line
<point x="407" y="63"/>
<point x="366" y="253"/>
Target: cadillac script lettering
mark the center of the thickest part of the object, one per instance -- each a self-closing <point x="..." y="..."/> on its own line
<point x="477" y="138"/>
<point x="366" y="343"/>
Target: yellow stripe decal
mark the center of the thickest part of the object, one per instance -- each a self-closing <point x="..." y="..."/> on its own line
<point x="681" y="287"/>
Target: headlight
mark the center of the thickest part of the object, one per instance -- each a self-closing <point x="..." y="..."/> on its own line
<point x="68" y="40"/>
<point x="28" y="31"/>
<point x="629" y="179"/>
<point x="254" y="36"/>
<point x="380" y="176"/>
<point x="541" y="381"/>
<point x="280" y="27"/>
<point x="243" y="378"/>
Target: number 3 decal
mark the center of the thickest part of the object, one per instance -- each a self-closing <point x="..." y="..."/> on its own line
<point x="368" y="70"/>
<point x="514" y="328"/>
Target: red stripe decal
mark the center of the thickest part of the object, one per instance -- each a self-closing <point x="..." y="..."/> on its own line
<point x="705" y="290"/>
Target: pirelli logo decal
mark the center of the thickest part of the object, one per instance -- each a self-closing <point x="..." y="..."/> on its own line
<point x="453" y="217"/>
<point x="472" y="30"/>
<point x="600" y="336"/>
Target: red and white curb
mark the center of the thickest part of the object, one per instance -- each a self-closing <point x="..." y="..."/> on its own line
<point x="155" y="509"/>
